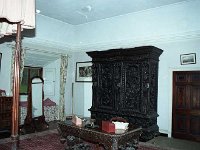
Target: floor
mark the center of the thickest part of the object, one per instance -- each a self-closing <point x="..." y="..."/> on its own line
<point x="159" y="141"/>
<point x="172" y="143"/>
<point x="7" y="134"/>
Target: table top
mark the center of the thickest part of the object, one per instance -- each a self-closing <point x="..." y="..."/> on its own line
<point x="110" y="141"/>
<point x="97" y="129"/>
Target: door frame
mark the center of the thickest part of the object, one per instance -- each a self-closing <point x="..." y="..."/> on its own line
<point x="171" y="93"/>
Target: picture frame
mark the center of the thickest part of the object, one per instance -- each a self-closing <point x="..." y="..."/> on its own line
<point x="188" y="58"/>
<point x="84" y="71"/>
<point x="2" y="92"/>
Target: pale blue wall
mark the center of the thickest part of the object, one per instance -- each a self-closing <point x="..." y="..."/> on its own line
<point x="5" y="67"/>
<point x="51" y="32"/>
<point x="82" y="91"/>
<point x="170" y="61"/>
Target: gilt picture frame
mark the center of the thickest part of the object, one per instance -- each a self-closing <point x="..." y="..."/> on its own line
<point x="84" y="71"/>
<point x="188" y="58"/>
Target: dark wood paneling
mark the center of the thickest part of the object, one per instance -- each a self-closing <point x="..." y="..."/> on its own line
<point x="186" y="105"/>
<point x="5" y="113"/>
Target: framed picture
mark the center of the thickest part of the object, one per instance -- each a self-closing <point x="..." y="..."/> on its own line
<point x="84" y="71"/>
<point x="188" y="58"/>
<point x="2" y="92"/>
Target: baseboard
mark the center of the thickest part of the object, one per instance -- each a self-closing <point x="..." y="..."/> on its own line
<point x="161" y="131"/>
<point x="163" y="134"/>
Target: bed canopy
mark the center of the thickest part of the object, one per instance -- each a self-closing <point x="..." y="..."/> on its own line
<point x="16" y="15"/>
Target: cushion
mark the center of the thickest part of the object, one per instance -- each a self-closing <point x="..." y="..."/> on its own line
<point x="48" y="102"/>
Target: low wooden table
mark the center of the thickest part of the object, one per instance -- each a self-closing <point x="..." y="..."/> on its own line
<point x="110" y="141"/>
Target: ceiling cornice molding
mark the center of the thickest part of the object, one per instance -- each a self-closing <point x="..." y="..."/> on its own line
<point x="42" y="45"/>
<point x="47" y="45"/>
<point x="123" y="43"/>
<point x="138" y="41"/>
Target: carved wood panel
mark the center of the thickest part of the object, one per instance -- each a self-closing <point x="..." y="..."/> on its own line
<point x="106" y="97"/>
<point x="131" y="100"/>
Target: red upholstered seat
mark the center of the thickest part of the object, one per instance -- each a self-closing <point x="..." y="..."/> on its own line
<point x="23" y="103"/>
<point x="48" y="102"/>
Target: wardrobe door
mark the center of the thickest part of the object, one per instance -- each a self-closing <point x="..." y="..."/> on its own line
<point x="132" y="87"/>
<point x="107" y="93"/>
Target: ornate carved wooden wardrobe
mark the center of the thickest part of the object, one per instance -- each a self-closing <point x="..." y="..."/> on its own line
<point x="125" y="83"/>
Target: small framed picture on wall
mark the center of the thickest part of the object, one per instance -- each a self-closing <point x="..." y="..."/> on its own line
<point x="84" y="71"/>
<point x="188" y="58"/>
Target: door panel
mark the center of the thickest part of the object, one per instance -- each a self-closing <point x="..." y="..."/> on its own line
<point x="194" y="125"/>
<point x="181" y="124"/>
<point x="186" y="105"/>
<point x="49" y="81"/>
<point x="180" y="97"/>
<point x="195" y="97"/>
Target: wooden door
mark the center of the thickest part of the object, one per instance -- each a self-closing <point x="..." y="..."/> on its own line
<point x="186" y="105"/>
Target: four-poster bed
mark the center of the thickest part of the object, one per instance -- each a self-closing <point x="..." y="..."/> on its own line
<point x="14" y="17"/>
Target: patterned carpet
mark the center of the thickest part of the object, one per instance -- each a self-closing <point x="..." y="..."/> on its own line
<point x="50" y="140"/>
<point x="47" y="140"/>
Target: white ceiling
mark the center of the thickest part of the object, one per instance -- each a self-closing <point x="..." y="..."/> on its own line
<point x="82" y="11"/>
